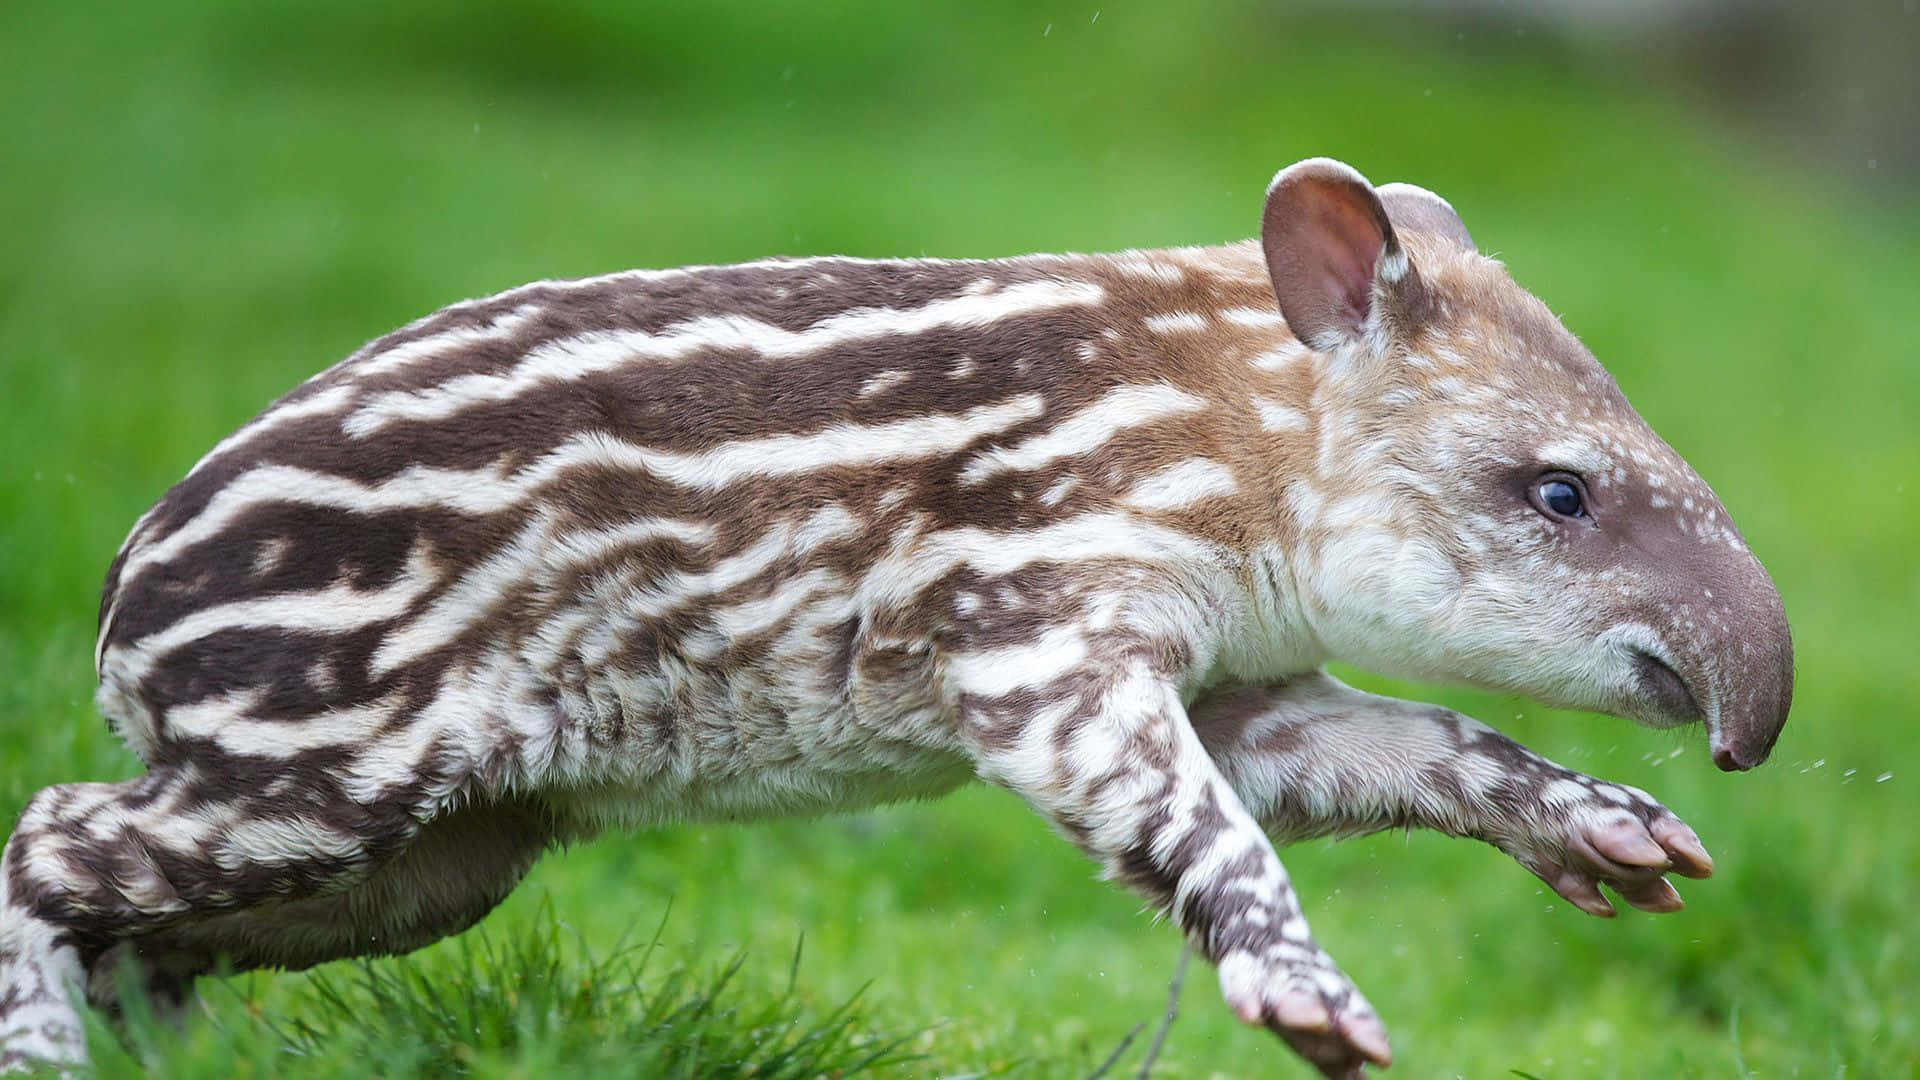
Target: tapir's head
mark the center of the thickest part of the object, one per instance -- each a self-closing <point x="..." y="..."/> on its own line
<point x="1485" y="505"/>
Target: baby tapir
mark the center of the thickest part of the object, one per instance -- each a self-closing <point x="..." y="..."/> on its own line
<point x="803" y="535"/>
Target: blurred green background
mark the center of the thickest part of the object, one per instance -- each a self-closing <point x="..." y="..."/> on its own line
<point x="203" y="203"/>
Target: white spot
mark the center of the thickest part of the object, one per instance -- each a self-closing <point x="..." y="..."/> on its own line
<point x="1577" y="456"/>
<point x="1275" y="416"/>
<point x="1140" y="265"/>
<point x="269" y="555"/>
<point x="1393" y="266"/>
<point x="883" y="382"/>
<point x="1281" y="356"/>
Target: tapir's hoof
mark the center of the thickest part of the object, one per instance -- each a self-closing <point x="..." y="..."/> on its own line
<point x="1618" y="835"/>
<point x="1300" y="996"/>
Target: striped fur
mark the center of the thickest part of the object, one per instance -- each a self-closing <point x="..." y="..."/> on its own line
<point x="804" y="535"/>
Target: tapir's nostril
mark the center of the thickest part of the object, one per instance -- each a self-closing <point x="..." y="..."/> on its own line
<point x="1724" y="758"/>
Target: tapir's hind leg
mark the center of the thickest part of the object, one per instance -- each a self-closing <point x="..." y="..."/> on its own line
<point x="39" y="974"/>
<point x="455" y="871"/>
<point x="93" y="865"/>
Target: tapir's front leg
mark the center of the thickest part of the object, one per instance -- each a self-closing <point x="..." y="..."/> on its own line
<point x="1316" y="757"/>
<point x="1088" y="726"/>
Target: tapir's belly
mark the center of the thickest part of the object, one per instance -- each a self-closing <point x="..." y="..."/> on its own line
<point x="789" y="732"/>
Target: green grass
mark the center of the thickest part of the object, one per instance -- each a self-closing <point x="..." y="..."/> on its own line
<point x="534" y="1004"/>
<point x="205" y="203"/>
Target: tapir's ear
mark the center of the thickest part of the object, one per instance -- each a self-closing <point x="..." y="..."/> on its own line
<point x="1331" y="251"/>
<point x="1415" y="209"/>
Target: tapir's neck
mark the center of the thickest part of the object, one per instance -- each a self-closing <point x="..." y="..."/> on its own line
<point x="1238" y="470"/>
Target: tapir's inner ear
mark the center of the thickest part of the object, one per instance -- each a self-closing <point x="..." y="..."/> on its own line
<point x="1328" y="243"/>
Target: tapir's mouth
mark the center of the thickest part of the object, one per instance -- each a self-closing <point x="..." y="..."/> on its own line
<point x="1665" y="689"/>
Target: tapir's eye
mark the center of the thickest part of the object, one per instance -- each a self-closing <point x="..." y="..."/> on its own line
<point x="1560" y="495"/>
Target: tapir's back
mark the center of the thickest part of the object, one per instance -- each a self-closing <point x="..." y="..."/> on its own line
<point x="597" y="472"/>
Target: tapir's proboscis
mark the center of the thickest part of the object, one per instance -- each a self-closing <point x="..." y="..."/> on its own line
<point x="804" y="535"/>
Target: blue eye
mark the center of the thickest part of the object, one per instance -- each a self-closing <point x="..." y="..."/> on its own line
<point x="1561" y="497"/>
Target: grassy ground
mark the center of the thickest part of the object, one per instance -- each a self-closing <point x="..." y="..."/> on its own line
<point x="203" y="204"/>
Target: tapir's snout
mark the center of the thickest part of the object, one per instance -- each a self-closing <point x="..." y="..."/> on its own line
<point x="1751" y="675"/>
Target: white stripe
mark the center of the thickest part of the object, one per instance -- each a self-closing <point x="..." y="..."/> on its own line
<point x="1087" y="430"/>
<point x="1191" y="481"/>
<point x="1060" y="490"/>
<point x="641" y="277"/>
<point x="235" y="723"/>
<point x="335" y="609"/>
<point x="256" y="842"/>
<point x="1253" y="318"/>
<point x="536" y="554"/>
<point x="490" y="490"/>
<point x="675" y="591"/>
<point x="786" y="455"/>
<point x="461" y="337"/>
<point x="918" y="563"/>
<point x="317" y="404"/>
<point x="598" y="351"/>
<point x="134" y="535"/>
<point x="998" y="672"/>
<point x="1176" y="322"/>
<point x="762" y="614"/>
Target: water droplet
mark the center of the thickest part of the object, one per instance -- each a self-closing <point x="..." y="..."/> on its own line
<point x="1883" y="778"/>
